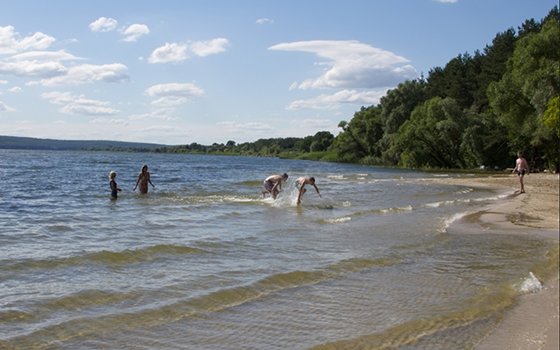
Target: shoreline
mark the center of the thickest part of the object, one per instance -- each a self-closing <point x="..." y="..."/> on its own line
<point x="533" y="323"/>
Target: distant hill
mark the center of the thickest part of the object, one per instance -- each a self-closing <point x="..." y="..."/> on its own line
<point x="14" y="142"/>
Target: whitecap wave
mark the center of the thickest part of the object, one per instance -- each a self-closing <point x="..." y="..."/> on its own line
<point x="439" y="204"/>
<point x="339" y="220"/>
<point x="450" y="220"/>
<point x="396" y="209"/>
<point x="530" y="284"/>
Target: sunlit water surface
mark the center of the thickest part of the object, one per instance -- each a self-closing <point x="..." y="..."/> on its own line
<point x="204" y="262"/>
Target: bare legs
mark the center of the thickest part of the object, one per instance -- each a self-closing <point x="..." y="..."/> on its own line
<point x="521" y="186"/>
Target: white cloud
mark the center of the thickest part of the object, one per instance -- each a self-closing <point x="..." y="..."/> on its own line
<point x="169" y="97"/>
<point x="32" y="68"/>
<point x="174" y="90"/>
<point x="352" y="64"/>
<point x="43" y="64"/>
<point x="177" y="52"/>
<point x="105" y="121"/>
<point x="151" y="116"/>
<point x="10" y="42"/>
<point x="264" y="20"/>
<point x="103" y="24"/>
<point x="447" y="1"/>
<point x="3" y="81"/>
<point x="88" y="73"/>
<point x="313" y="124"/>
<point x="341" y="97"/>
<point x="60" y="55"/>
<point x="169" y="53"/>
<point x="15" y="90"/>
<point x="169" y="101"/>
<point x="78" y="104"/>
<point x="134" y="31"/>
<point x="5" y="108"/>
<point x="210" y="47"/>
<point x="247" y="126"/>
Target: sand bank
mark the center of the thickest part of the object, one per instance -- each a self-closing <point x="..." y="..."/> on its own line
<point x="534" y="322"/>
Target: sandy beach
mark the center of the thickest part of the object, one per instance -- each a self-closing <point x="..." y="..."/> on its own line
<point x="534" y="322"/>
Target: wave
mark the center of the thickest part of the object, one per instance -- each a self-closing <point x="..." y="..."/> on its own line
<point x="383" y="211"/>
<point x="105" y="257"/>
<point x="180" y="198"/>
<point x="162" y="314"/>
<point x="439" y="204"/>
<point x="251" y="183"/>
<point x="530" y="284"/>
<point x="397" y="209"/>
<point x="485" y="307"/>
<point x="86" y="299"/>
<point x="446" y="223"/>
<point x="337" y="220"/>
<point x="10" y="316"/>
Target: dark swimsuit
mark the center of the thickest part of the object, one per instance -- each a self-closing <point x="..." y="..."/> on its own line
<point x="268" y="185"/>
<point x="114" y="191"/>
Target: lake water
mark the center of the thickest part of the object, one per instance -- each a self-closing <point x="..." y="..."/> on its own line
<point x="204" y="262"/>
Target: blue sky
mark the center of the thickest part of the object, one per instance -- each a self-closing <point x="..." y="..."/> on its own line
<point x="205" y="71"/>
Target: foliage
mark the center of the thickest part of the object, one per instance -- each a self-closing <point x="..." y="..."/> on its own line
<point x="526" y="92"/>
<point x="551" y="118"/>
<point x="476" y="111"/>
<point x="432" y="135"/>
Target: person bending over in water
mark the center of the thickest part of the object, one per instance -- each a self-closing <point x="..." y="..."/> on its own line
<point x="521" y="168"/>
<point x="143" y="180"/>
<point x="301" y="182"/>
<point x="114" y="187"/>
<point x="273" y="184"/>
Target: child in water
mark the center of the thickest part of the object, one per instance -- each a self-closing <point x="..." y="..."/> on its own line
<point x="114" y="187"/>
<point x="301" y="182"/>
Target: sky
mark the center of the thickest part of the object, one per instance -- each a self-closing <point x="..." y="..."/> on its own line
<point x="211" y="71"/>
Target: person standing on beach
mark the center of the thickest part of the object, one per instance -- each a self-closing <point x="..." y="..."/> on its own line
<point x="301" y="182"/>
<point x="521" y="168"/>
<point x="143" y="180"/>
<point x="113" y="184"/>
<point x="273" y="184"/>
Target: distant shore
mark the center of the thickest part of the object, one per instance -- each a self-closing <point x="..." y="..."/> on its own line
<point x="533" y="323"/>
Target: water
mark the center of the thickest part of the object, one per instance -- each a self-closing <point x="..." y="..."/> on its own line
<point x="204" y="262"/>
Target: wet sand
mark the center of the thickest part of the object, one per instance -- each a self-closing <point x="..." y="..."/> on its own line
<point x="534" y="322"/>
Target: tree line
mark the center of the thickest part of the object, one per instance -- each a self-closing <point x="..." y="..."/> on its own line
<point x="477" y="111"/>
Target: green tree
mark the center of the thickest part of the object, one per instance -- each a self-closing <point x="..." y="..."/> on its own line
<point x="551" y="118"/>
<point x="484" y="142"/>
<point x="396" y="107"/>
<point x="430" y="137"/>
<point x="493" y="66"/>
<point x="346" y="144"/>
<point x="321" y="141"/>
<point x="360" y="136"/>
<point x="522" y="96"/>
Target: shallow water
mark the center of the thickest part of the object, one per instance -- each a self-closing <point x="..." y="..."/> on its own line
<point x="204" y="262"/>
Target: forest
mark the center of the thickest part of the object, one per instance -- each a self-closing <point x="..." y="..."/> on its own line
<point x="476" y="112"/>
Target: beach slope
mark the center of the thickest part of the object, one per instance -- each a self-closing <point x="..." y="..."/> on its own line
<point x="534" y="322"/>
